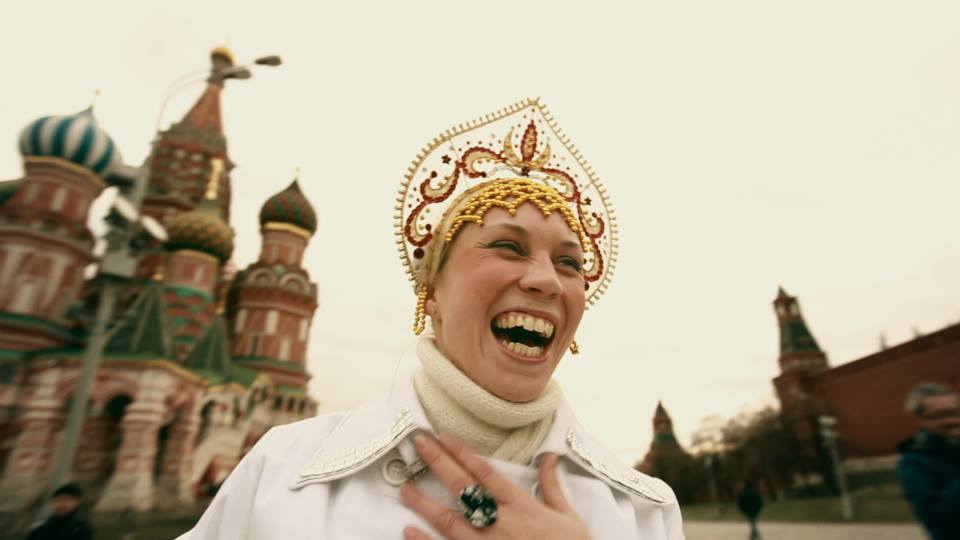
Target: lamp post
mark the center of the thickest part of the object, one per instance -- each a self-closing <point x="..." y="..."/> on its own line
<point x="829" y="436"/>
<point x="709" y="461"/>
<point x="241" y="72"/>
<point x="117" y="266"/>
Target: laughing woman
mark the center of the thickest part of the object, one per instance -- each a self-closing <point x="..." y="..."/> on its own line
<point x="507" y="236"/>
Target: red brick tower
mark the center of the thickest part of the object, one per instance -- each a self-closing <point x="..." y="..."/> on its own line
<point x="800" y="359"/>
<point x="200" y="243"/>
<point x="664" y="448"/>
<point x="272" y="301"/>
<point x="187" y="156"/>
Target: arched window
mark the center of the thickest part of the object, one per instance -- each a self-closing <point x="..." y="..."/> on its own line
<point x="206" y="418"/>
<point x="25" y="297"/>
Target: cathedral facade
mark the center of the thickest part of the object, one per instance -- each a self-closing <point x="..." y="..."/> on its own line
<point x="200" y="359"/>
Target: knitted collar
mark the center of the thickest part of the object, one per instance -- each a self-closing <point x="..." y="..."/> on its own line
<point x="490" y="425"/>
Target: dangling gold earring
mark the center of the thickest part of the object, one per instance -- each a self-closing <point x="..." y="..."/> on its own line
<point x="420" y="316"/>
<point x="574" y="348"/>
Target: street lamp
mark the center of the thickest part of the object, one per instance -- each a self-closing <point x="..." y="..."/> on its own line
<point x="829" y="436"/>
<point x="709" y="461"/>
<point x="117" y="265"/>
<point x="271" y="60"/>
<point x="240" y="72"/>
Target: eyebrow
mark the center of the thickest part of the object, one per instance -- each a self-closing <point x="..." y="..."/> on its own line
<point x="526" y="234"/>
<point x="515" y="228"/>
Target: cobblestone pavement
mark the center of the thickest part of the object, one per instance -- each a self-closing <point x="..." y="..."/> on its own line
<point x="706" y="530"/>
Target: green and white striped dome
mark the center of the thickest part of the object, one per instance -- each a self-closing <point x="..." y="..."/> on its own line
<point x="76" y="138"/>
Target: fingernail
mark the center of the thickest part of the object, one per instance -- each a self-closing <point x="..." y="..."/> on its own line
<point x="420" y="441"/>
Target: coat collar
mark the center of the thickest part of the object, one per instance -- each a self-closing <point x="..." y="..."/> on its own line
<point x="371" y="431"/>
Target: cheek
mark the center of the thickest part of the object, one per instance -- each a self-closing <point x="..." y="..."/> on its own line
<point x="576" y="299"/>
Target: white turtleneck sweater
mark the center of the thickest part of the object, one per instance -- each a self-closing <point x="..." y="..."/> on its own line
<point x="491" y="426"/>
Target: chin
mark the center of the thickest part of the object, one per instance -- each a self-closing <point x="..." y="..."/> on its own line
<point x="518" y="393"/>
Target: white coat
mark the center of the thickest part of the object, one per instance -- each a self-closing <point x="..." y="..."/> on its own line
<point x="337" y="476"/>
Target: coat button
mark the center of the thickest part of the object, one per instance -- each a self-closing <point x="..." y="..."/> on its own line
<point x="394" y="471"/>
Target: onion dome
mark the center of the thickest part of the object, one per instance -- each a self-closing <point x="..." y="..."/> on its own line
<point x="290" y="206"/>
<point x="203" y="230"/>
<point x="76" y="138"/>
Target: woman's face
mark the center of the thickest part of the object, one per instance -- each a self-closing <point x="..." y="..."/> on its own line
<point x="507" y="303"/>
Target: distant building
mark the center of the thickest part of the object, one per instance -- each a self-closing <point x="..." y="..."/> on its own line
<point x="668" y="461"/>
<point x="201" y="361"/>
<point x="664" y="448"/>
<point x="865" y="396"/>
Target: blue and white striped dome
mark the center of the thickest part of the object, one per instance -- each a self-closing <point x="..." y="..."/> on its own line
<point x="76" y="138"/>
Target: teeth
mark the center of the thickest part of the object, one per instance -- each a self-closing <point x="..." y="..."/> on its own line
<point x="527" y="322"/>
<point x="523" y="350"/>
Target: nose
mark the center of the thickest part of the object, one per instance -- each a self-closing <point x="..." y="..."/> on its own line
<point x="540" y="278"/>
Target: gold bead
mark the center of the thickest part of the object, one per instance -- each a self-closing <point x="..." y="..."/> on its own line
<point x="420" y="315"/>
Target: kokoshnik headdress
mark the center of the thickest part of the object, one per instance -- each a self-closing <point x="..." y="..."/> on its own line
<point x="513" y="156"/>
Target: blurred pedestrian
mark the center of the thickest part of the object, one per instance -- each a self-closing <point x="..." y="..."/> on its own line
<point x="64" y="524"/>
<point x="929" y="465"/>
<point x="750" y="503"/>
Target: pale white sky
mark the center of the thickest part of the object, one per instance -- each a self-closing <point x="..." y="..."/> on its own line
<point x="746" y="144"/>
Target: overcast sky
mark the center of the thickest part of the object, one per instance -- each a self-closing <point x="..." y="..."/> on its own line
<point x="745" y="145"/>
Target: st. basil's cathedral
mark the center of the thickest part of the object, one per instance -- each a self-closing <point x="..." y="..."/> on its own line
<point x="200" y="359"/>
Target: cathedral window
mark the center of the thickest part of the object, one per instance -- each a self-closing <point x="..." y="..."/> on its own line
<point x="26" y="297"/>
<point x="255" y="345"/>
<point x="241" y="320"/>
<point x="30" y="193"/>
<point x="59" y="198"/>
<point x="293" y="286"/>
<point x="304" y="326"/>
<point x="271" y="326"/>
<point x="284" y="349"/>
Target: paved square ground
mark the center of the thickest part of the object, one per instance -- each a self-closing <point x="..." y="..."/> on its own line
<point x="706" y="530"/>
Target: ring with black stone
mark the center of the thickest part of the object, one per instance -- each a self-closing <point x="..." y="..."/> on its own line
<point x="477" y="506"/>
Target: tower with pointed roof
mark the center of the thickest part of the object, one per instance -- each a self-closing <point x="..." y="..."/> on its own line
<point x="800" y="360"/>
<point x="798" y="348"/>
<point x="188" y="156"/>
<point x="665" y="450"/>
<point x="272" y="301"/>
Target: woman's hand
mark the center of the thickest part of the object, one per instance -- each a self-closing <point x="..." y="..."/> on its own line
<point x="519" y="514"/>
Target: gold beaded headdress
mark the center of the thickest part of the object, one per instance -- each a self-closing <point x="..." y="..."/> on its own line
<point x="515" y="155"/>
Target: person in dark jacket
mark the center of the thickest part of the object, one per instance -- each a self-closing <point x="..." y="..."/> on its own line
<point x="929" y="466"/>
<point x="64" y="524"/>
<point x="750" y="503"/>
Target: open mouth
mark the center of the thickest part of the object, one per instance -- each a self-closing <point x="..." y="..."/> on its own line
<point x="523" y="334"/>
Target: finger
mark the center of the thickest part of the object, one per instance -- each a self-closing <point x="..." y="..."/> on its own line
<point x="413" y="533"/>
<point x="550" y="488"/>
<point x="500" y="487"/>
<point x="446" y="521"/>
<point x="443" y="465"/>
